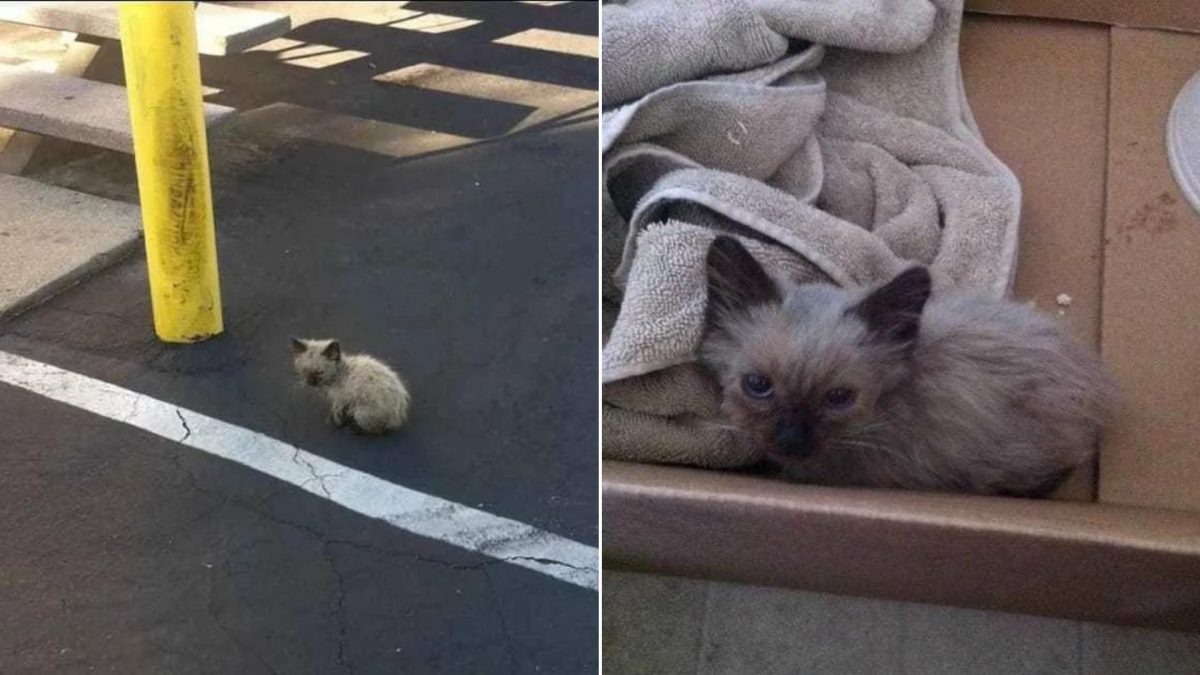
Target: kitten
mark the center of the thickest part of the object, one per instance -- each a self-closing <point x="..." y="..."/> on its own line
<point x="878" y="387"/>
<point x="362" y="392"/>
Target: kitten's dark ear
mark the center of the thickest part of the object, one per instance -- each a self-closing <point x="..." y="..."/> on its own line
<point x="736" y="282"/>
<point x="298" y="345"/>
<point x="333" y="352"/>
<point x="893" y="311"/>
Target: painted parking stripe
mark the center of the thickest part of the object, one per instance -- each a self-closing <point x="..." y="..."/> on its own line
<point x="423" y="514"/>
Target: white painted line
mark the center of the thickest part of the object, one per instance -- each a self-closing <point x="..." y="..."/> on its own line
<point x="426" y="515"/>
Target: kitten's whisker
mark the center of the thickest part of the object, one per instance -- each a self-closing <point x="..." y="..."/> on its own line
<point x="717" y="426"/>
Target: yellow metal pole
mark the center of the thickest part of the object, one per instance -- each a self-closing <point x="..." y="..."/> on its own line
<point x="162" y="73"/>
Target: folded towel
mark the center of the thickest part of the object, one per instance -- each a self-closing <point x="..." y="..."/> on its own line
<point x="833" y="139"/>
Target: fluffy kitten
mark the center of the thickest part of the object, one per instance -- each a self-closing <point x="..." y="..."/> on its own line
<point x="877" y="387"/>
<point x="362" y="391"/>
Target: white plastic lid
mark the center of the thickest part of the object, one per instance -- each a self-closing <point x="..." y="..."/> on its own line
<point x="1183" y="140"/>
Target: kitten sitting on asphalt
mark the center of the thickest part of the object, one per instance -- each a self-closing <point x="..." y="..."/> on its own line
<point x="895" y="386"/>
<point x="363" y="392"/>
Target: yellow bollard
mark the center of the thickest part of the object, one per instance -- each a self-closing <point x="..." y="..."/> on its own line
<point x="162" y="72"/>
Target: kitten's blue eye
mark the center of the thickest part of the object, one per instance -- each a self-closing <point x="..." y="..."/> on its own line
<point x="757" y="386"/>
<point x="840" y="398"/>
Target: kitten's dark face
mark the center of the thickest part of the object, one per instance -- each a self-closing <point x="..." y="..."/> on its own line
<point x="317" y="362"/>
<point x="802" y="366"/>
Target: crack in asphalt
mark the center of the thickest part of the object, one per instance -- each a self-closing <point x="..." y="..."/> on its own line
<point x="498" y="609"/>
<point x="326" y="540"/>
<point x="339" y="612"/>
<point x="329" y="548"/>
<point x="547" y="561"/>
<point x="211" y="609"/>
<point x="340" y="605"/>
<point x="187" y="430"/>
<point x="317" y="477"/>
<point x="285" y="435"/>
<point x="311" y="531"/>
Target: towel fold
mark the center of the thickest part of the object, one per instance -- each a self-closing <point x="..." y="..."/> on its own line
<point x="833" y="139"/>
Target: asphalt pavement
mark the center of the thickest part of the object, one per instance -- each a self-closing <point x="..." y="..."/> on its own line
<point x="472" y="270"/>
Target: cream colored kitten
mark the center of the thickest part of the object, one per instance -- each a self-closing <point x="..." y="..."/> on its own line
<point x="362" y="391"/>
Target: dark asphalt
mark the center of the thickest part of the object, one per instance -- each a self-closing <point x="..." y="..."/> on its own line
<point x="472" y="271"/>
<point x="126" y="553"/>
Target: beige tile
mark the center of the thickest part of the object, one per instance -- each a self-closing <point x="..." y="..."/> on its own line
<point x="1112" y="650"/>
<point x="1152" y="268"/>
<point x="767" y="630"/>
<point x="952" y="641"/>
<point x="651" y="623"/>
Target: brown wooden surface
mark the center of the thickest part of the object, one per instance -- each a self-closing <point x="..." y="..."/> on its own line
<point x="1151" y="317"/>
<point x="1089" y="562"/>
<point x="1169" y="14"/>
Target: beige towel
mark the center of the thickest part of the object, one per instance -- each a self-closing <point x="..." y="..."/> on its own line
<point x="833" y="138"/>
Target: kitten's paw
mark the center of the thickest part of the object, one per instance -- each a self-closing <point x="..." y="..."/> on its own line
<point x="367" y="426"/>
<point x="337" y="418"/>
<point x="363" y="430"/>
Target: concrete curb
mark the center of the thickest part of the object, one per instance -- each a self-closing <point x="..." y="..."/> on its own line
<point x="52" y="238"/>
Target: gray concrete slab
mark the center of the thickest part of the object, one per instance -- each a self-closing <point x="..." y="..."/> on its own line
<point x="767" y="630"/>
<point x="653" y="624"/>
<point x="21" y="145"/>
<point x="661" y="624"/>
<point x="51" y="237"/>
<point x="950" y="640"/>
<point x="75" y="109"/>
<point x="1112" y="650"/>
<point x="220" y="30"/>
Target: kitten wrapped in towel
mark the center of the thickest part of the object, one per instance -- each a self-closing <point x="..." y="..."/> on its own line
<point x="898" y="387"/>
